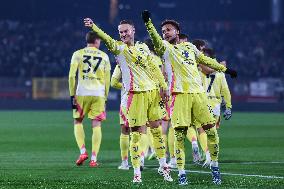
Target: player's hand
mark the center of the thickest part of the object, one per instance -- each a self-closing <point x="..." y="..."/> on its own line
<point x="227" y="114"/>
<point x="231" y="72"/>
<point x="73" y="102"/>
<point x="146" y="15"/>
<point x="88" y="22"/>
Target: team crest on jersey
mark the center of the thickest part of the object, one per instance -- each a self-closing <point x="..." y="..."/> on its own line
<point x="185" y="54"/>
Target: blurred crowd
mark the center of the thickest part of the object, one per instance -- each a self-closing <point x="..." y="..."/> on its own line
<point x="44" y="49"/>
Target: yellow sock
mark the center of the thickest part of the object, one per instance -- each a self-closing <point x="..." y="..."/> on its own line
<point x="135" y="149"/>
<point x="144" y="143"/>
<point x="203" y="141"/>
<point x="158" y="142"/>
<point x="96" y="141"/>
<point x="150" y="138"/>
<point x="179" y="147"/>
<point x="191" y="134"/>
<point x="213" y="143"/>
<point x="124" y="146"/>
<point x="79" y="135"/>
<point x="171" y="141"/>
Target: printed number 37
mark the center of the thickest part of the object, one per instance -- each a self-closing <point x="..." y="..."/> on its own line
<point x="95" y="61"/>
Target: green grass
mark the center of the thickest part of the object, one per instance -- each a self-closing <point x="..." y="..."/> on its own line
<point x="38" y="150"/>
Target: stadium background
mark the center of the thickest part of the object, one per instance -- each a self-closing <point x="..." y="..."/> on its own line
<point x="37" y="40"/>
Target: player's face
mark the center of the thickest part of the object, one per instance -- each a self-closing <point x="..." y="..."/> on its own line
<point x="126" y="33"/>
<point x="169" y="33"/>
<point x="202" y="48"/>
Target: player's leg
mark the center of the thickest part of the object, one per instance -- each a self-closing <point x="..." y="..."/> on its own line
<point x="79" y="133"/>
<point x="137" y="118"/>
<point x="97" y="114"/>
<point x="180" y="120"/>
<point x="207" y="121"/>
<point x="171" y="139"/>
<point x="151" y="151"/>
<point x="144" y="146"/>
<point x="191" y="136"/>
<point x="124" y="147"/>
<point x="124" y="139"/>
<point x="155" y="115"/>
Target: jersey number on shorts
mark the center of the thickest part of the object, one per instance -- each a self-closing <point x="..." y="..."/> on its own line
<point x="211" y="83"/>
<point x="87" y="60"/>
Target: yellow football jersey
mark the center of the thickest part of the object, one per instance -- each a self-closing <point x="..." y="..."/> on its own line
<point x="181" y="62"/>
<point x="216" y="87"/>
<point x="93" y="69"/>
<point x="134" y="62"/>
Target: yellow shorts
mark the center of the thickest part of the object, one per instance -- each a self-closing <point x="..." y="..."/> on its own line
<point x="189" y="107"/>
<point x="143" y="107"/>
<point x="94" y="106"/>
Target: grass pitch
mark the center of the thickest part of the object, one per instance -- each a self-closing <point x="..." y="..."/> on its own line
<point x="38" y="150"/>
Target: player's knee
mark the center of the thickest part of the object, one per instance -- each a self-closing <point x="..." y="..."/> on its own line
<point x="96" y="123"/>
<point x="125" y="130"/>
<point x="155" y="124"/>
<point x="135" y="137"/>
<point x="180" y="133"/>
<point x="78" y="121"/>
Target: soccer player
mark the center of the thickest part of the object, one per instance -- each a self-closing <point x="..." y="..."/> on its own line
<point x="124" y="136"/>
<point x="163" y="104"/>
<point x="188" y="95"/>
<point x="93" y="68"/>
<point x="142" y="96"/>
<point x="216" y="88"/>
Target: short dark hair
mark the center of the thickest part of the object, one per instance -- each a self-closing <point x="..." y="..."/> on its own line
<point x="150" y="44"/>
<point x="130" y="22"/>
<point x="183" y="36"/>
<point x="91" y="37"/>
<point x="198" y="43"/>
<point x="210" y="52"/>
<point x="172" y="22"/>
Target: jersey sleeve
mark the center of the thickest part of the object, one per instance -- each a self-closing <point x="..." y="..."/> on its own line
<point x="72" y="73"/>
<point x="160" y="47"/>
<point x="212" y="63"/>
<point x="115" y="78"/>
<point x="114" y="46"/>
<point x="225" y="92"/>
<point x="107" y="77"/>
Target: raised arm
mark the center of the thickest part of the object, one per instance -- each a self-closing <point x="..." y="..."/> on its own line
<point x="156" y="71"/>
<point x="115" y="78"/>
<point x="111" y="44"/>
<point x="154" y="35"/>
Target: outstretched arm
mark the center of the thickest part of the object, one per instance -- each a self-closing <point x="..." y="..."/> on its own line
<point x="111" y="44"/>
<point x="212" y="63"/>
<point x="154" y="35"/>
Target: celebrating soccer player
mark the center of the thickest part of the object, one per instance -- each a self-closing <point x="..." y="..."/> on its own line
<point x="142" y="95"/>
<point x="93" y="69"/>
<point x="185" y="85"/>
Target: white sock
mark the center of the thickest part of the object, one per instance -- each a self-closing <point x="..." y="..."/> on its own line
<point x="142" y="161"/>
<point x="180" y="172"/>
<point x="83" y="150"/>
<point x="162" y="162"/>
<point x="125" y="162"/>
<point x="173" y="160"/>
<point x="194" y="144"/>
<point x="137" y="171"/>
<point x="94" y="158"/>
<point x="214" y="163"/>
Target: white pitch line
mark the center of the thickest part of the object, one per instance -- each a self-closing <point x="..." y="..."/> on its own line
<point x="254" y="162"/>
<point x="237" y="174"/>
